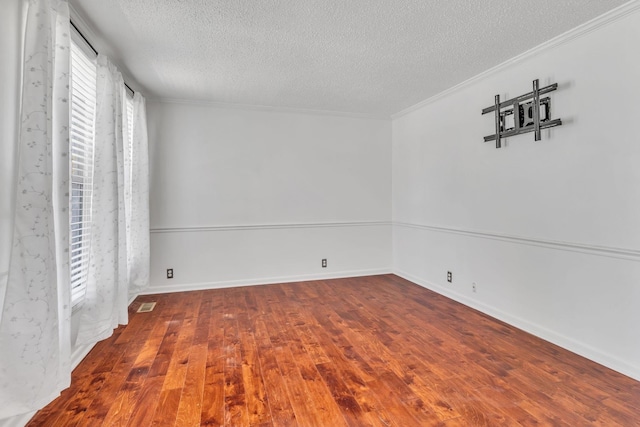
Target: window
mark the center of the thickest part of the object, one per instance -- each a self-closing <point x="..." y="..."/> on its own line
<point x="81" y="135"/>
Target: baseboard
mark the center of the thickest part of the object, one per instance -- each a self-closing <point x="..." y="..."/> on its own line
<point x="77" y="355"/>
<point x="133" y="297"/>
<point x="567" y="343"/>
<point x="17" y="421"/>
<point x="184" y="287"/>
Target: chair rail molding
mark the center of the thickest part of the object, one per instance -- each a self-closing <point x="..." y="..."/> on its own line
<point x="606" y="251"/>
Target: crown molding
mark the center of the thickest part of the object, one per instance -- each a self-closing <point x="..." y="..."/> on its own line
<point x="566" y="37"/>
<point x="269" y="226"/>
<point x="272" y="109"/>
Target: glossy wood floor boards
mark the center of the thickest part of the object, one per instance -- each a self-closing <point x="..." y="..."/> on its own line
<point x="373" y="350"/>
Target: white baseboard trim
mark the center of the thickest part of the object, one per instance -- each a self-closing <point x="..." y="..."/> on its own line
<point x="77" y="355"/>
<point x="80" y="353"/>
<point x="18" y="420"/>
<point x="567" y="343"/>
<point x="185" y="287"/>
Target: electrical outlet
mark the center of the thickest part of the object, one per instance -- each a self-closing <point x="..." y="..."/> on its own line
<point x="324" y="263"/>
<point x="449" y="277"/>
<point x="169" y="273"/>
<point x="473" y="287"/>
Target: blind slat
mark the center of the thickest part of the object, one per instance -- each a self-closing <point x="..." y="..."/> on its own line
<point x="81" y="136"/>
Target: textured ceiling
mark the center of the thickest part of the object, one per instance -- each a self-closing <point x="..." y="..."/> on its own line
<point x="372" y="57"/>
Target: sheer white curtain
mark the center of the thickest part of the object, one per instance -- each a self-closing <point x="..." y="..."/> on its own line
<point x="138" y="253"/>
<point x="106" y="298"/>
<point x="35" y="322"/>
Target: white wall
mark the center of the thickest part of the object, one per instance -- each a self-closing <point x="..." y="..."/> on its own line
<point x="252" y="196"/>
<point x="549" y="231"/>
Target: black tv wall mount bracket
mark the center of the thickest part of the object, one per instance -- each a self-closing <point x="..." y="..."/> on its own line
<point x="522" y="114"/>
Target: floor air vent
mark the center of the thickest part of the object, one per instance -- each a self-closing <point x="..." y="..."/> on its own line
<point x="146" y="307"/>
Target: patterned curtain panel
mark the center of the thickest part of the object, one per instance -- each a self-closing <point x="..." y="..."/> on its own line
<point x="138" y="253"/>
<point x="106" y="297"/>
<point x="35" y="322"/>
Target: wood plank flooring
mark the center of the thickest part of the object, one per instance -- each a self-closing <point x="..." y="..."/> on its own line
<point x="373" y="350"/>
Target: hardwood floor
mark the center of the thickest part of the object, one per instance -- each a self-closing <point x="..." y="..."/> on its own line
<point x="374" y="350"/>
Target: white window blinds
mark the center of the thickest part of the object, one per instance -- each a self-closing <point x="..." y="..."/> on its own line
<point x="81" y="133"/>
